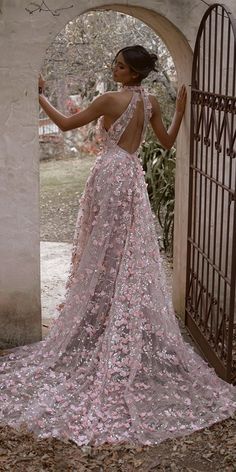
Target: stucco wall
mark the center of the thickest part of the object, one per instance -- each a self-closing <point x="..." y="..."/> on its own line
<point x="23" y="40"/>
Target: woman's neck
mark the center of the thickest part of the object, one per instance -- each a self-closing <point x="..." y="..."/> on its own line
<point x="132" y="86"/>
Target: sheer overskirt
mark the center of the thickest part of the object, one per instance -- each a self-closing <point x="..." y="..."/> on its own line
<point x="114" y="366"/>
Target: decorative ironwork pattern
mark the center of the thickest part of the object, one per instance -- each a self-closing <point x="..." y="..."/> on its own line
<point x="211" y="256"/>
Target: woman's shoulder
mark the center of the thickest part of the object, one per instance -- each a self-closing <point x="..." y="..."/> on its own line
<point x="116" y="94"/>
<point x="108" y="102"/>
<point x="108" y="97"/>
<point x="117" y="97"/>
<point x="103" y="100"/>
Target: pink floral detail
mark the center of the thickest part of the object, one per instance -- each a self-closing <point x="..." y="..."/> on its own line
<point x="114" y="366"/>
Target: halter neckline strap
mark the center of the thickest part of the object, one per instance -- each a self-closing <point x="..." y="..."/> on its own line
<point x="138" y="88"/>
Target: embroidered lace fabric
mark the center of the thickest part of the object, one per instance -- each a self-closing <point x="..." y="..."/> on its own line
<point x="114" y="366"/>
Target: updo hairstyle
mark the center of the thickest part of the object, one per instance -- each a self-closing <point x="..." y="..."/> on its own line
<point x="139" y="60"/>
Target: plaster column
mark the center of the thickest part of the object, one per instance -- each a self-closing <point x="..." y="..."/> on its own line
<point x="20" y="313"/>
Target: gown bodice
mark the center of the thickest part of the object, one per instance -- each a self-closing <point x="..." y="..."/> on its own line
<point x="126" y="123"/>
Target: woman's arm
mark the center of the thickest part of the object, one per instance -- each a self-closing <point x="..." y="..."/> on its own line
<point x="66" y="123"/>
<point x="167" y="138"/>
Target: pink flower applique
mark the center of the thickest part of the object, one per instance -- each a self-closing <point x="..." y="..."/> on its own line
<point x="90" y="330"/>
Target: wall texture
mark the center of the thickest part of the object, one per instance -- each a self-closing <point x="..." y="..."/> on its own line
<point x="23" y="41"/>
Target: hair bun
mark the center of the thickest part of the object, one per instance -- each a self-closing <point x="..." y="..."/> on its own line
<point x="153" y="57"/>
<point x="139" y="59"/>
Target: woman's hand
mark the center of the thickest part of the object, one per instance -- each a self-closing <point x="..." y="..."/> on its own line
<point x="41" y="83"/>
<point x="167" y="138"/>
<point x="181" y="99"/>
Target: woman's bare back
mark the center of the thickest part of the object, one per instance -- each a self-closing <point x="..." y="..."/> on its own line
<point x="132" y="135"/>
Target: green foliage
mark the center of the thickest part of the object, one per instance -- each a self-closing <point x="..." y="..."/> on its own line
<point x="159" y="166"/>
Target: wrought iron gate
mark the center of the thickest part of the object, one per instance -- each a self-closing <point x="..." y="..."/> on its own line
<point x="211" y="256"/>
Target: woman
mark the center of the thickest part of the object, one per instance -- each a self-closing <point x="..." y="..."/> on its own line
<point x="114" y="366"/>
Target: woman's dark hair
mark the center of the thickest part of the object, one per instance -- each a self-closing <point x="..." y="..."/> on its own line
<point x="139" y="60"/>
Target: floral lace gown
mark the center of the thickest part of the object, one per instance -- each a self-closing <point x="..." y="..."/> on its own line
<point x="114" y="366"/>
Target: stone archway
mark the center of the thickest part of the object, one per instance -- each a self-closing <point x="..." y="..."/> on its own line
<point x="20" y="317"/>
